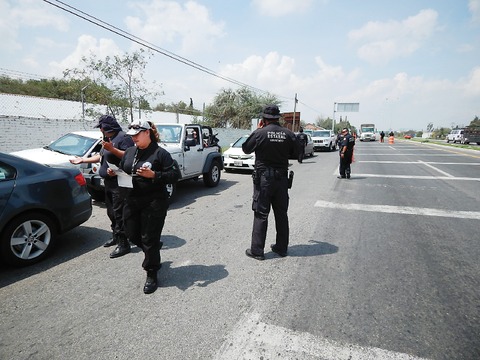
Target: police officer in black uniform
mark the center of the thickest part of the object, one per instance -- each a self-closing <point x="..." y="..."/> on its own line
<point x="346" y="154"/>
<point x="302" y="140"/>
<point x="273" y="146"/>
<point x="114" y="144"/>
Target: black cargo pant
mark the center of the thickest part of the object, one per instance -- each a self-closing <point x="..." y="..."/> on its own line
<point x="301" y="152"/>
<point x="345" y="162"/>
<point x="270" y="190"/>
<point x="115" y="202"/>
<point x="144" y="219"/>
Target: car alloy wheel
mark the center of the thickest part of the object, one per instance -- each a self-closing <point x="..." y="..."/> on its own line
<point x="28" y="239"/>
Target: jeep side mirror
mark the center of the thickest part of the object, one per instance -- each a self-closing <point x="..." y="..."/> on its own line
<point x="190" y="142"/>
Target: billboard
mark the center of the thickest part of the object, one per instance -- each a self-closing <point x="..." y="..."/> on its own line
<point x="348" y="107"/>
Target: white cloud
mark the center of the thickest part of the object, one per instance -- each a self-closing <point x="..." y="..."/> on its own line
<point x="169" y="22"/>
<point x="25" y="14"/>
<point x="380" y="42"/>
<point x="8" y="28"/>
<point x="276" y="8"/>
<point x="472" y="85"/>
<point x="32" y="13"/>
<point x="474" y="7"/>
<point x="272" y="73"/>
<point x="86" y="46"/>
<point x="464" y="48"/>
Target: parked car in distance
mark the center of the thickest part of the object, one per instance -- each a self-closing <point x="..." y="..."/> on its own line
<point x="309" y="150"/>
<point x="408" y="136"/>
<point x="455" y="136"/>
<point x="235" y="159"/>
<point x="324" y="140"/>
<point x="59" y="152"/>
<point x="37" y="203"/>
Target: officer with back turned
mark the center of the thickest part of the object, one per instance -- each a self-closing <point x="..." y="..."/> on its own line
<point x="302" y="141"/>
<point x="273" y="146"/>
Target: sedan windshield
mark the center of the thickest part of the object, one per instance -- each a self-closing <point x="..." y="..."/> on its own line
<point x="239" y="142"/>
<point x="72" y="144"/>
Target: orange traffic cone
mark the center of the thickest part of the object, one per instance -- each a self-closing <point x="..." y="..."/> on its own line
<point x="391" y="140"/>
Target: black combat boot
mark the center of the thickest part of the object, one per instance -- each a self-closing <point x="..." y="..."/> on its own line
<point x="151" y="282"/>
<point x="122" y="248"/>
<point x="111" y="242"/>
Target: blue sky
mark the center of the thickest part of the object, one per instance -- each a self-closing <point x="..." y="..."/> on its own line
<point x="407" y="63"/>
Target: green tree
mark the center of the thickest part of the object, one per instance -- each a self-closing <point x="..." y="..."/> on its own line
<point x="237" y="108"/>
<point x="440" y="133"/>
<point x="475" y="122"/>
<point x="118" y="82"/>
<point x="180" y="107"/>
<point x="324" y="123"/>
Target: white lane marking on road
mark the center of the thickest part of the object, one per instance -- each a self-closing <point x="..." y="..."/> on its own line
<point x="475" y="215"/>
<point x="404" y="154"/>
<point x="416" y="162"/>
<point x="416" y="177"/>
<point x="254" y="339"/>
<point x="434" y="168"/>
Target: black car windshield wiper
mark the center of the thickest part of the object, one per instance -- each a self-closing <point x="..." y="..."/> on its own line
<point x="46" y="147"/>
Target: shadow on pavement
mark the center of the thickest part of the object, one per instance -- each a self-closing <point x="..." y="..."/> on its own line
<point x="184" y="277"/>
<point x="314" y="248"/>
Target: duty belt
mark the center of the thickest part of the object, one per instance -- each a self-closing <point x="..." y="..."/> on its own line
<point x="271" y="172"/>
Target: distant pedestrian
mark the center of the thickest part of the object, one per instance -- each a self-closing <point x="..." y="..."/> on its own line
<point x="382" y="136"/>
<point x="346" y="154"/>
<point x="302" y="140"/>
<point x="273" y="146"/>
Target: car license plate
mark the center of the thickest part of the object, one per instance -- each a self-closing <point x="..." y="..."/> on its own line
<point x="238" y="163"/>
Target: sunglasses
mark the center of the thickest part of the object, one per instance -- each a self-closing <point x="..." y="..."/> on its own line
<point x="136" y="127"/>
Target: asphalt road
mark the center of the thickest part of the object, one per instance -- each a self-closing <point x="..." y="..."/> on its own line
<point x="381" y="266"/>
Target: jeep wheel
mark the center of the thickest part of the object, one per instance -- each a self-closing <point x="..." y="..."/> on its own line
<point x="212" y="177"/>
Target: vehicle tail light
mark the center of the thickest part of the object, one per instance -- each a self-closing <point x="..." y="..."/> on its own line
<point x="80" y="180"/>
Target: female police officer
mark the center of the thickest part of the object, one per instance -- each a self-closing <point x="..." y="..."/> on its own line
<point x="273" y="146"/>
<point x="151" y="168"/>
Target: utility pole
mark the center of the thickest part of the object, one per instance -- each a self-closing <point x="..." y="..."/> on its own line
<point x="333" y="120"/>
<point x="294" y="112"/>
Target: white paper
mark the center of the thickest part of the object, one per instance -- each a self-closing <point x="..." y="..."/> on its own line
<point x="124" y="180"/>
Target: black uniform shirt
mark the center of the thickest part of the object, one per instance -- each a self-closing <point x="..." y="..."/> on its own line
<point x="273" y="146"/>
<point x="159" y="161"/>
<point x="348" y="141"/>
<point x="302" y="139"/>
<point x="120" y="141"/>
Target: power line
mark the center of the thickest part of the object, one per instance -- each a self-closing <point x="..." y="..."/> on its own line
<point x="20" y="75"/>
<point x="120" y="32"/>
<point x="87" y="17"/>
